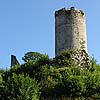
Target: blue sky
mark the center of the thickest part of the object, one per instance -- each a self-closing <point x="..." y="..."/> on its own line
<point x="28" y="25"/>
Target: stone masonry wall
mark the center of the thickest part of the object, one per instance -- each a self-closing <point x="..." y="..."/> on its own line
<point x="70" y="29"/>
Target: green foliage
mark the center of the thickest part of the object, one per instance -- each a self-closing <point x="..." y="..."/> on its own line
<point x="65" y="59"/>
<point x="44" y="60"/>
<point x="0" y="78"/>
<point x="20" y="87"/>
<point x="34" y="56"/>
<point x="1" y="73"/>
<point x="73" y="75"/>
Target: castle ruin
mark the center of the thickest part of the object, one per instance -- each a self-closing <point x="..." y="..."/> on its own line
<point x="70" y="30"/>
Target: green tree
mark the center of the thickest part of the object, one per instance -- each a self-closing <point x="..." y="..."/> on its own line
<point x="20" y="87"/>
<point x="65" y="59"/>
<point x="32" y="56"/>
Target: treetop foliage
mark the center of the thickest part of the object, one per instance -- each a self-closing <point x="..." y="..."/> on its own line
<point x="72" y="75"/>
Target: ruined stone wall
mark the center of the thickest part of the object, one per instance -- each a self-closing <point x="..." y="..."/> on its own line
<point x="14" y="61"/>
<point x="70" y="29"/>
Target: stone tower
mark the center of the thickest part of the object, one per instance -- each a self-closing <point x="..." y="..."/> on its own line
<point x="70" y="29"/>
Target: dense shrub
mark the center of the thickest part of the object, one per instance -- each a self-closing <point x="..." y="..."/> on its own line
<point x="19" y="87"/>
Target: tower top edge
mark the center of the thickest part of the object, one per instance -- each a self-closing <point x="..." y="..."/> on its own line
<point x="69" y="10"/>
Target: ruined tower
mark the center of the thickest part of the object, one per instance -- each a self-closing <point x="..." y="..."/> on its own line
<point x="14" y="61"/>
<point x="70" y="29"/>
